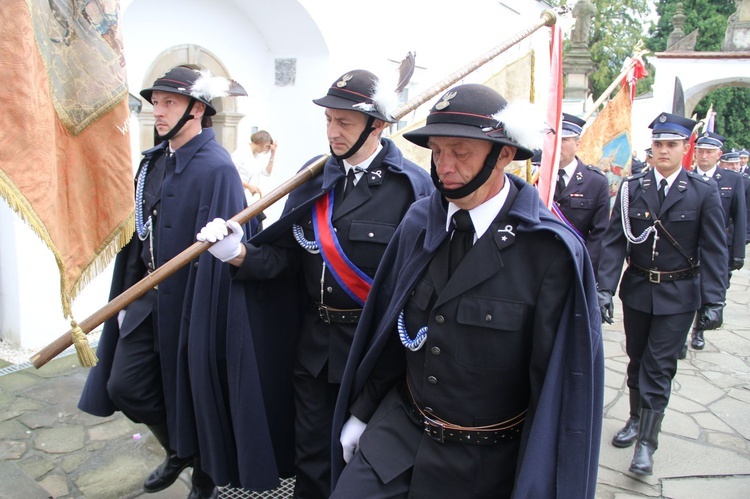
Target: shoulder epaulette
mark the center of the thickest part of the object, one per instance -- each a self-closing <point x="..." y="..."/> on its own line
<point x="636" y="175"/>
<point x="596" y="169"/>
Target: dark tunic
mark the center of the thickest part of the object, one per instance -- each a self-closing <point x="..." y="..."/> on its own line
<point x="199" y="184"/>
<point x="516" y="328"/>
<point x="283" y="282"/>
<point x="657" y="315"/>
<point x="585" y="204"/>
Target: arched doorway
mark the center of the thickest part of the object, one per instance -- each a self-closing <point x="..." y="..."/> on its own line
<point x="226" y="119"/>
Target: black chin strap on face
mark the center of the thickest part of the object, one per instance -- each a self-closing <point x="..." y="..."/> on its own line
<point x="185" y="118"/>
<point x="360" y="141"/>
<point x="489" y="164"/>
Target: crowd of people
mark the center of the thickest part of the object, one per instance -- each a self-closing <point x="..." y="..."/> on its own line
<point x="402" y="331"/>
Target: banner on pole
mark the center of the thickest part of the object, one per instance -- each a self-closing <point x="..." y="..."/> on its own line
<point x="65" y="163"/>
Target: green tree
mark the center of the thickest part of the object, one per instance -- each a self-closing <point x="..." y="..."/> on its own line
<point x="732" y="104"/>
<point x="708" y="16"/>
<point x="615" y="29"/>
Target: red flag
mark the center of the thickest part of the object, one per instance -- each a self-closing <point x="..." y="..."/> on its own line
<point x="687" y="160"/>
<point x="637" y="71"/>
<point x="551" y="148"/>
<point x="65" y="164"/>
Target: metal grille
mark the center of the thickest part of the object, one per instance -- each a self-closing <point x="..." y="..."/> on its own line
<point x="285" y="490"/>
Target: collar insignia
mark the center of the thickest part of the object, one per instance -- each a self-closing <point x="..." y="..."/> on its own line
<point x="445" y="101"/>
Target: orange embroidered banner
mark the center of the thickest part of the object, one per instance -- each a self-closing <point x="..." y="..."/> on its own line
<point x="606" y="142"/>
<point x="65" y="164"/>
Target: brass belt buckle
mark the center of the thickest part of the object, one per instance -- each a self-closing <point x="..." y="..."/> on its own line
<point x="654" y="276"/>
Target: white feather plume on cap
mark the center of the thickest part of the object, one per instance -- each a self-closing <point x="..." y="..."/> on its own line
<point x="208" y="87"/>
<point x="524" y="124"/>
<point x="387" y="90"/>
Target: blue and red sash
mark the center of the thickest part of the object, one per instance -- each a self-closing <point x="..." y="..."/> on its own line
<point x="355" y="282"/>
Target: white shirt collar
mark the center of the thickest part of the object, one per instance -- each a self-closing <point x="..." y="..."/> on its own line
<point x="570" y="169"/>
<point x="483" y="215"/>
<point x="709" y="173"/>
<point x="364" y="165"/>
<point x="670" y="179"/>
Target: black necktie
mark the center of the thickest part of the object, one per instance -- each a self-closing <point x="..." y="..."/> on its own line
<point x="662" y="190"/>
<point x="560" y="183"/>
<point x="349" y="182"/>
<point x="462" y="239"/>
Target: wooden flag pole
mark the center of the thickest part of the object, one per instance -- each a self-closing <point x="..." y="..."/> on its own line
<point x="548" y="18"/>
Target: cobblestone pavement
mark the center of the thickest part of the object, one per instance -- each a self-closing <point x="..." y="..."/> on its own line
<point x="48" y="448"/>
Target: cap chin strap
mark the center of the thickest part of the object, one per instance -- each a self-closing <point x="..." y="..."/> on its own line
<point x="185" y="118"/>
<point x="478" y="181"/>
<point x="360" y="141"/>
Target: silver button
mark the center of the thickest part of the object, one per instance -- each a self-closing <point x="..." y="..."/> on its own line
<point x="435" y="351"/>
<point x="370" y="235"/>
<point x="487" y="318"/>
<point x="335" y="229"/>
<point x="439" y="319"/>
<point x="195" y="265"/>
<point x="329" y="289"/>
<point x="155" y="212"/>
<point x="432" y="380"/>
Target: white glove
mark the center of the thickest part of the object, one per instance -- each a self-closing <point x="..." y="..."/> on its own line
<point x="120" y="318"/>
<point x="350" y="434"/>
<point x="227" y="245"/>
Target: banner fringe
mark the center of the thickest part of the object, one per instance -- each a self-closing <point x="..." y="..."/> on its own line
<point x="119" y="237"/>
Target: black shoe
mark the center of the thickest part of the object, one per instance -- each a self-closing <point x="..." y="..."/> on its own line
<point x="627" y="435"/>
<point x="648" y="442"/>
<point x="167" y="472"/>
<point x="697" y="341"/>
<point x="683" y="352"/>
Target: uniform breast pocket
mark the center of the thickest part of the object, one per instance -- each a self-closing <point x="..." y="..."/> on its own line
<point x="368" y="241"/>
<point x="726" y="192"/>
<point x="639" y="213"/>
<point x="682" y="215"/>
<point x="581" y="203"/>
<point x="490" y="333"/>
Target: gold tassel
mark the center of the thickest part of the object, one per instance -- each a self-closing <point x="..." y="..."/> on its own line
<point x="86" y="355"/>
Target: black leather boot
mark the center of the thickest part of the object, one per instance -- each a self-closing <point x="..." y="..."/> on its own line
<point x="648" y="442"/>
<point x="697" y="341"/>
<point x="202" y="485"/>
<point x="628" y="434"/>
<point x="167" y="472"/>
<point x="683" y="352"/>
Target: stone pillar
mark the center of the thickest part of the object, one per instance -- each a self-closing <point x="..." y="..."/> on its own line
<point x="678" y="41"/>
<point x="737" y="38"/>
<point x="577" y="64"/>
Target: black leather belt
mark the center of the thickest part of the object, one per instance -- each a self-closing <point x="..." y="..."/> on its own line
<point x="339" y="315"/>
<point x="442" y="431"/>
<point x="658" y="276"/>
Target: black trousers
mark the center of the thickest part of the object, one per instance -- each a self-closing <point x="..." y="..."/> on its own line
<point x="135" y="384"/>
<point x="653" y="343"/>
<point x="315" y="400"/>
